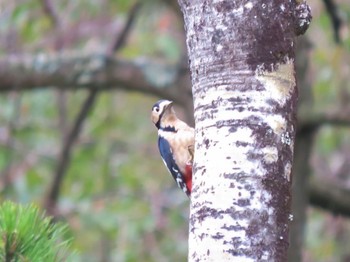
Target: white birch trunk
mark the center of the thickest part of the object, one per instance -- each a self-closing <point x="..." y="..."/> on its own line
<point x="242" y="65"/>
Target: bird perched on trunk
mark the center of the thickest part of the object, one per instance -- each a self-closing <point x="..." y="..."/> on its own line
<point x="175" y="142"/>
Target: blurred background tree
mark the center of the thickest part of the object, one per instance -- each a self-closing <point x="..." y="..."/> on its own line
<point x="78" y="80"/>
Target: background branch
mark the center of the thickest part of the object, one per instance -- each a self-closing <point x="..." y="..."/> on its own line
<point x="313" y="121"/>
<point x="73" y="71"/>
<point x="330" y="196"/>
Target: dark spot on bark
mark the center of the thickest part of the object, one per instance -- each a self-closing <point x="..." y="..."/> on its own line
<point x="216" y="38"/>
<point x="225" y="6"/>
<point x="247" y="187"/>
<point x="232" y="227"/>
<point x="243" y="202"/>
<point x="233" y="129"/>
<point x="201" y="236"/>
<point x="286" y="108"/>
<point x="206" y="142"/>
<point x="233" y="252"/>
<point x="264" y="216"/>
<point x="228" y="157"/>
<point x="252" y="155"/>
<point x="218" y="236"/>
<point x="241" y="144"/>
<point x="232" y="185"/>
<point x="205" y="212"/>
<point x="213" y="105"/>
<point x="205" y="115"/>
<point x="239" y="194"/>
<point x="254" y="109"/>
<point x="208" y="252"/>
<point x="229" y="175"/>
<point x="237" y="100"/>
<point x="252" y="193"/>
<point x="272" y="103"/>
<point x="254" y="227"/>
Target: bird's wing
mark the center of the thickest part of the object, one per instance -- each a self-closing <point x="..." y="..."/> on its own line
<point x="169" y="161"/>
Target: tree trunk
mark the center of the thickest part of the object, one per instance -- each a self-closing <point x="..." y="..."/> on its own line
<point x="242" y="65"/>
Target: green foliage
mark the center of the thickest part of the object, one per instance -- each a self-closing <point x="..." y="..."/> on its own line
<point x="28" y="235"/>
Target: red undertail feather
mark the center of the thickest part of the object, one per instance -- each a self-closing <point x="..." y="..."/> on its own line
<point x="188" y="177"/>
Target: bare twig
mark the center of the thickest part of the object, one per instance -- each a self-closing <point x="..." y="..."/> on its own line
<point x="333" y="12"/>
<point x="51" y="12"/>
<point x="6" y="172"/>
<point x="119" y="40"/>
<point x="65" y="155"/>
<point x="61" y="100"/>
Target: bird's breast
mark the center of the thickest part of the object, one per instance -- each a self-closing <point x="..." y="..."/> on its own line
<point x="179" y="143"/>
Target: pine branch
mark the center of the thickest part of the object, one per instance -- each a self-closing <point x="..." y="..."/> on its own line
<point x="28" y="235"/>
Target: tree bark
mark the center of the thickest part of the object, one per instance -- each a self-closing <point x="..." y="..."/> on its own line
<point x="241" y="57"/>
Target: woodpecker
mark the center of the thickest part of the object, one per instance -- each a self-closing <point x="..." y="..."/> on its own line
<point x="175" y="143"/>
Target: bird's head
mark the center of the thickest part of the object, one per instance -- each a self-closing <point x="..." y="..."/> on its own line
<point x="161" y="110"/>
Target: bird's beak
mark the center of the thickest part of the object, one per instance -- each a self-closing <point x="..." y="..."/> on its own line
<point x="171" y="103"/>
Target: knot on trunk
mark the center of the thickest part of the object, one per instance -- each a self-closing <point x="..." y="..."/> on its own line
<point x="302" y="17"/>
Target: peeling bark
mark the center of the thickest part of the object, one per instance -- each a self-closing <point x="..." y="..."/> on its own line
<point x="242" y="66"/>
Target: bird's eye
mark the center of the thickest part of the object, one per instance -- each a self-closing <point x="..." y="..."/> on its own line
<point x="157" y="109"/>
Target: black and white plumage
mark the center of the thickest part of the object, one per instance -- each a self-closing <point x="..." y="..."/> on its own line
<point x="175" y="143"/>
